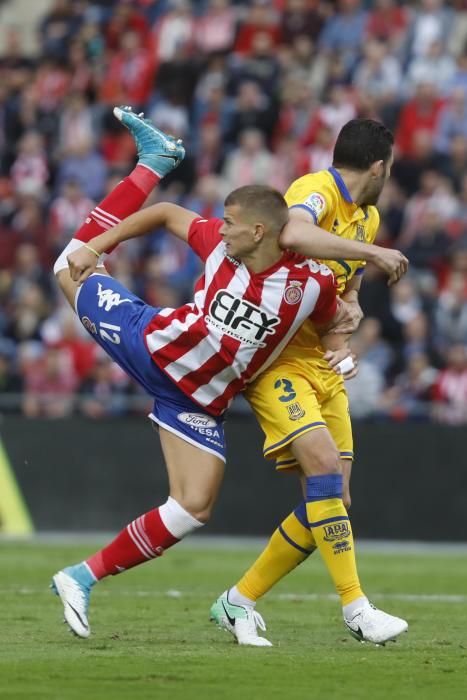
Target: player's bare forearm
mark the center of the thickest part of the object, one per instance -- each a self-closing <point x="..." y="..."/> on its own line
<point x="303" y="236"/>
<point x="335" y="344"/>
<point x="175" y="219"/>
<point x="354" y="313"/>
<point x="82" y="262"/>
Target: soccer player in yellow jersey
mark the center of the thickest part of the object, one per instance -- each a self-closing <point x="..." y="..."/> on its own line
<point x="301" y="402"/>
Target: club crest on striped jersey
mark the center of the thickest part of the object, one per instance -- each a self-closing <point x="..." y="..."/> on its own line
<point x="293" y="294"/>
<point x="241" y="319"/>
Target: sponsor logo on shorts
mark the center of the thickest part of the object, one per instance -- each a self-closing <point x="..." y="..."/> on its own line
<point x="295" y="411"/>
<point x="88" y="324"/>
<point x="340" y="547"/>
<point x="293" y="293"/>
<point x="203" y="425"/>
<point x="360" y="233"/>
<point x="337" y="531"/>
<point x="108" y="298"/>
<point x="197" y="420"/>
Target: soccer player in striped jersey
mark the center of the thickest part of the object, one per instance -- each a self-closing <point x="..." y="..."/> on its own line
<point x="248" y="304"/>
<point x="302" y="405"/>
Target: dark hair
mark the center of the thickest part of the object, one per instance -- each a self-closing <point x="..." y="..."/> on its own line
<point x="263" y="202"/>
<point x="362" y="142"/>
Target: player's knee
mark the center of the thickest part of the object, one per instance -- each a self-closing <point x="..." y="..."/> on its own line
<point x="326" y="461"/>
<point x="198" y="507"/>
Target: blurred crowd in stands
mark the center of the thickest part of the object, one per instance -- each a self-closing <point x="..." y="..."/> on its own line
<point x="258" y="90"/>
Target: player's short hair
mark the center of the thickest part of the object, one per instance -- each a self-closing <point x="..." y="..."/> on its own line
<point x="362" y="142"/>
<point x="264" y="203"/>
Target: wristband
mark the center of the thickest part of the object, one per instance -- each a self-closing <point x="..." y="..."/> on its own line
<point x="345" y="365"/>
<point x="98" y="255"/>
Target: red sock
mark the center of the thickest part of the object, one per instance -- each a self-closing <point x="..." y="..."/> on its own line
<point x="125" y="199"/>
<point x="145" y="538"/>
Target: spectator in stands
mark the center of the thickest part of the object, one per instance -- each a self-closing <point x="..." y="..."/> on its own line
<point x="344" y="32"/>
<point x="450" y="316"/>
<point x="129" y="76"/>
<point x="450" y="391"/>
<point x="83" y="164"/>
<point x="300" y="18"/>
<point x="252" y="109"/>
<point x="250" y="163"/>
<point x="387" y="22"/>
<point x="432" y="21"/>
<point x="104" y="392"/>
<point x="435" y="66"/>
<point x="67" y="212"/>
<point x="421" y="113"/>
<point x="379" y="74"/>
<point x="30" y="170"/>
<point x="215" y="29"/>
<point x="260" y="17"/>
<point x="50" y="384"/>
<point x="409" y="397"/>
<point x="452" y="121"/>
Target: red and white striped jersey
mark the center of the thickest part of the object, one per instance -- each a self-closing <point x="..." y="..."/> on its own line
<point x="239" y="321"/>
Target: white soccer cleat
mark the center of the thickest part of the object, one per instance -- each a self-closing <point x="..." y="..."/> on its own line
<point x="241" y="621"/>
<point x="75" y="598"/>
<point x="369" y="624"/>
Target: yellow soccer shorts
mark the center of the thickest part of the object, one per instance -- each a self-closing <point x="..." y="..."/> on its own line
<point x="291" y="399"/>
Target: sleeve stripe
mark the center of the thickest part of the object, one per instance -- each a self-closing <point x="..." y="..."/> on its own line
<point x="307" y="209"/>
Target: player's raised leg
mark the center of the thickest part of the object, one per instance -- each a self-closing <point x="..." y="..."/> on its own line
<point x="158" y="154"/>
<point x="195" y="476"/>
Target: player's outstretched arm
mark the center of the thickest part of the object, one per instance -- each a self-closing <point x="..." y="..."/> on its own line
<point x="175" y="219"/>
<point x="303" y="236"/>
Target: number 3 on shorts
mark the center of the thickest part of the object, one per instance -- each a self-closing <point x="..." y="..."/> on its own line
<point x="288" y="391"/>
<point x="112" y="337"/>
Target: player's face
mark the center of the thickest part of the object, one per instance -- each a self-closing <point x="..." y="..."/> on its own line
<point x="377" y="181"/>
<point x="239" y="234"/>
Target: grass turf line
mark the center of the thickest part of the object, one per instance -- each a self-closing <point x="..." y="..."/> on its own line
<point x="152" y="639"/>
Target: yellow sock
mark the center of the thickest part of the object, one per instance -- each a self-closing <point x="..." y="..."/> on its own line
<point x="289" y="545"/>
<point x="330" y="526"/>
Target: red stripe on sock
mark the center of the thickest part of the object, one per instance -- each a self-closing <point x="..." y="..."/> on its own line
<point x="141" y="540"/>
<point x="125" y="199"/>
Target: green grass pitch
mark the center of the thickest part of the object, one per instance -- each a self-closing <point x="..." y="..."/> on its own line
<point x="152" y="639"/>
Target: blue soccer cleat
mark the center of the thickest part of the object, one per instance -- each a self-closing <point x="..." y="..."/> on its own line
<point x="73" y="585"/>
<point x="156" y="150"/>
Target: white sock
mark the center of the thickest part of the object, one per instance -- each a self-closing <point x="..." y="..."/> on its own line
<point x="350" y="609"/>
<point x="236" y="598"/>
<point x="177" y="520"/>
<point x="62" y="263"/>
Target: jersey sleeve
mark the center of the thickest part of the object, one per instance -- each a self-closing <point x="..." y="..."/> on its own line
<point x="326" y="306"/>
<point x="203" y="236"/>
<point x="310" y="194"/>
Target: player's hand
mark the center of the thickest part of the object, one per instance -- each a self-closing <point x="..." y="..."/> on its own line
<point x="81" y="263"/>
<point x="334" y="357"/>
<point x="392" y="262"/>
<point x="350" y="315"/>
